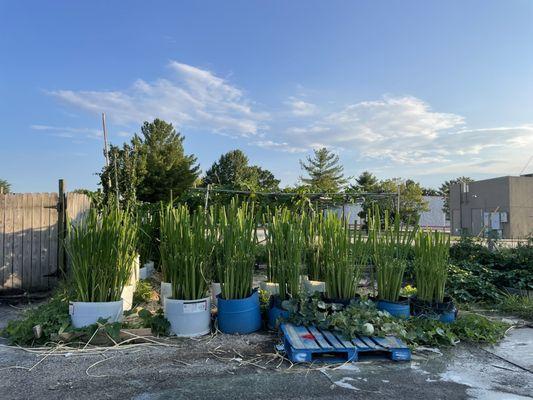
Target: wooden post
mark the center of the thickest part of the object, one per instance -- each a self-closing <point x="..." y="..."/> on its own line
<point x="61" y="229"/>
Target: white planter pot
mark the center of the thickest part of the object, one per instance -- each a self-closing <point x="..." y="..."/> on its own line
<point x="147" y="270"/>
<point x="84" y="314"/>
<point x="134" y="277"/>
<point x="270" y="287"/>
<point x="189" y="318"/>
<point x="314" y="286"/>
<point x="216" y="289"/>
<point x="127" y="297"/>
<point x="166" y="291"/>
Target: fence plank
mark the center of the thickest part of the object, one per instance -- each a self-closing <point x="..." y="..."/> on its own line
<point x="27" y="230"/>
<point x="17" y="245"/>
<point x="37" y="209"/>
<point x="45" y="239"/>
<point x="52" y="263"/>
<point x="8" y="242"/>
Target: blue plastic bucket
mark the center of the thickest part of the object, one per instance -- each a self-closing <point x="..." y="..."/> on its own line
<point x="240" y="315"/>
<point x="399" y="310"/>
<point x="273" y="314"/>
<point x="448" y="316"/>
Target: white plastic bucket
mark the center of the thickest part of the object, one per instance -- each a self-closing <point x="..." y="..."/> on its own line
<point x="270" y="287"/>
<point x="127" y="297"/>
<point x="147" y="270"/>
<point x="189" y="318"/>
<point x="314" y="286"/>
<point x="84" y="314"/>
<point x="216" y="289"/>
<point x="166" y="291"/>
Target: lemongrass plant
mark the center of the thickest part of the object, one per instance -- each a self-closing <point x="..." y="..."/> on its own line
<point x="285" y="244"/>
<point x="312" y="227"/>
<point x="186" y="251"/>
<point x="390" y="249"/>
<point x="431" y="265"/>
<point x="101" y="249"/>
<point x="236" y="259"/>
<point x="345" y="255"/>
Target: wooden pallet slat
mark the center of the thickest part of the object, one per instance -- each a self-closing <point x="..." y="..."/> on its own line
<point x="309" y="344"/>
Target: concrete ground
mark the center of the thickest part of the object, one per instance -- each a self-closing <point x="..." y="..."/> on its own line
<point x="247" y="367"/>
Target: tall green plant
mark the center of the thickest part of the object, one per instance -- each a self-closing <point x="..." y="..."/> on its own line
<point x="286" y="244"/>
<point x="237" y="251"/>
<point x="101" y="250"/>
<point x="312" y="227"/>
<point x="345" y="255"/>
<point x="432" y="251"/>
<point x="391" y="244"/>
<point x="186" y="251"/>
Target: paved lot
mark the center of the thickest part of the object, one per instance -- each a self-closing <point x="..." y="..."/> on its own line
<point x="246" y="367"/>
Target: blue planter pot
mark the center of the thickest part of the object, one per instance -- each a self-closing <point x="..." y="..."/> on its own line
<point x="239" y="316"/>
<point x="399" y="309"/>
<point x="273" y="314"/>
<point x="448" y="316"/>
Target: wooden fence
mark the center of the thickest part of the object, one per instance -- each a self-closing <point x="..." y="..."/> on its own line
<point x="30" y="250"/>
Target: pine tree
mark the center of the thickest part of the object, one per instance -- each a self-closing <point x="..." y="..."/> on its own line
<point x="325" y="174"/>
<point x="5" y="186"/>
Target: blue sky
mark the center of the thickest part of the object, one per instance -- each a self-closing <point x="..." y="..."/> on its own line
<point x="424" y="89"/>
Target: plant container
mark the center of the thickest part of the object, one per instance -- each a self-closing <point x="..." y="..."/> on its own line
<point x="399" y="309"/>
<point x="147" y="270"/>
<point x="275" y="311"/>
<point x="127" y="297"/>
<point x="271" y="288"/>
<point x="188" y="318"/>
<point x="166" y="291"/>
<point x="446" y="310"/>
<point x="83" y="313"/>
<point x="216" y="289"/>
<point x="240" y="315"/>
<point x="311" y="287"/>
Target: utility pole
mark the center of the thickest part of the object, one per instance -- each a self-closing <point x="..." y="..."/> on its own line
<point x="106" y="154"/>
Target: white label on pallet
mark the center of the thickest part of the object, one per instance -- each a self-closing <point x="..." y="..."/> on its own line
<point x="200" y="306"/>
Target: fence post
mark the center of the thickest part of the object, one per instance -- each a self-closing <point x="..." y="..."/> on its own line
<point x="61" y="229"/>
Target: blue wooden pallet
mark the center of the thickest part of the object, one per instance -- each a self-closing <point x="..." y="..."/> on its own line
<point x="310" y="344"/>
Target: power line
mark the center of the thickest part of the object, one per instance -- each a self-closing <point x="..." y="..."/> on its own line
<point x="525" y="166"/>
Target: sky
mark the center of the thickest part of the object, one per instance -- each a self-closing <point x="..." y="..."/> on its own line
<point x="427" y="90"/>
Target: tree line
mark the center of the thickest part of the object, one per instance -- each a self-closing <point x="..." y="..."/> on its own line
<point x="153" y="167"/>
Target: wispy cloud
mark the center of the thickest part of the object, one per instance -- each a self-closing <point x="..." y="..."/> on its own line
<point x="189" y="97"/>
<point x="68" y="132"/>
<point x="300" y="108"/>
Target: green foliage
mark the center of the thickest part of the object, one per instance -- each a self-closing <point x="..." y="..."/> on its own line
<point x="521" y="306"/>
<point x="232" y="171"/>
<point x="53" y="317"/>
<point x="101" y="249"/>
<point x="5" y="186"/>
<point x="150" y="167"/>
<point x="391" y="247"/>
<point x="148" y="222"/>
<point x="312" y="227"/>
<point x="236" y="254"/>
<point x="363" y="319"/>
<point x="143" y="292"/>
<point x="344" y="256"/>
<point x="325" y="174"/>
<point x="157" y="322"/>
<point x="186" y="250"/>
<point x="285" y="243"/>
<point x="431" y="265"/>
<point x="471" y="282"/>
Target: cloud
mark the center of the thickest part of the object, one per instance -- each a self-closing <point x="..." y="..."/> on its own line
<point x="189" y="97"/>
<point x="406" y="132"/>
<point x="300" y="108"/>
<point x="284" y="146"/>
<point x="68" y="132"/>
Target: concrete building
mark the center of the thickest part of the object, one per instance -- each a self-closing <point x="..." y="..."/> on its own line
<point x="503" y="205"/>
